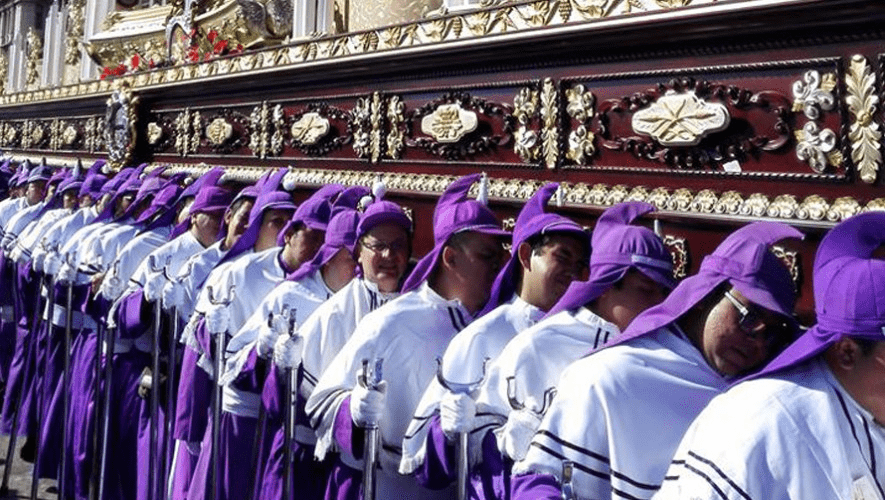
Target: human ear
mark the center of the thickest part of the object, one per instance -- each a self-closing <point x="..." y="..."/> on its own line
<point x="845" y="353"/>
<point x="524" y="252"/>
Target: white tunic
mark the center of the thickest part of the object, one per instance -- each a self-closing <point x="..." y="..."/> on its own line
<point x="81" y="241"/>
<point x="8" y="208"/>
<point x="534" y="360"/>
<point x="409" y="334"/>
<point x="620" y="414"/>
<point x="33" y="232"/>
<point x="101" y="252"/>
<point x="463" y="362"/>
<point x="192" y="274"/>
<point x="59" y="233"/>
<point x="125" y="262"/>
<point x="17" y="223"/>
<point x="795" y="435"/>
<point x="171" y="255"/>
<point x="300" y="298"/>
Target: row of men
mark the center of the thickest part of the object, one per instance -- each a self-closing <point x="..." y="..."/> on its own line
<point x="333" y="370"/>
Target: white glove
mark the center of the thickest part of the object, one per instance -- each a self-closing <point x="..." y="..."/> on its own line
<point x="153" y="287"/>
<point x="287" y="352"/>
<point x="267" y="337"/>
<point x="217" y="319"/>
<point x="52" y="264"/>
<point x="173" y="295"/>
<point x="112" y="287"/>
<point x="367" y="405"/>
<point x="66" y="274"/>
<point x="515" y="436"/>
<point x="456" y="414"/>
<point x="279" y="324"/>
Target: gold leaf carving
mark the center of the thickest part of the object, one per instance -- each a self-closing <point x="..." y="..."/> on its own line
<point x="639" y="193"/>
<point x="310" y="128"/>
<point x="154" y="133"/>
<point x="525" y="106"/>
<point x="69" y="135"/>
<point x="704" y="201"/>
<point x="755" y="205"/>
<point x="597" y="195"/>
<point x="219" y="131"/>
<point x="658" y="197"/>
<point x="784" y="206"/>
<point x="550" y="123"/>
<point x="616" y="195"/>
<point x="729" y="203"/>
<point x="396" y="109"/>
<point x="876" y="204"/>
<point x="679" y="251"/>
<point x="449" y="123"/>
<point x="864" y="132"/>
<point x="679" y="200"/>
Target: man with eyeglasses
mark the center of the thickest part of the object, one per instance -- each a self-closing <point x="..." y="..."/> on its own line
<point x="445" y="291"/>
<point x="621" y="411"/>
<point x="809" y="424"/>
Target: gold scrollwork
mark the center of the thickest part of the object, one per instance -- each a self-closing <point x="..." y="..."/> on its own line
<point x="69" y="135"/>
<point x="278" y="121"/>
<point x="218" y="131"/>
<point x="864" y="133"/>
<point x="597" y="195"/>
<point x="680" y="119"/>
<point x="679" y="251"/>
<point x="658" y="197"/>
<point x="310" y="128"/>
<point x="525" y="106"/>
<point x="791" y="260"/>
<point x="638" y="193"/>
<point x="876" y="204"/>
<point x="813" y="207"/>
<point x="704" y="201"/>
<point x="367" y="124"/>
<point x="729" y="203"/>
<point x="755" y="205"/>
<point x="680" y="200"/>
<point x="814" y="93"/>
<point x="783" y="206"/>
<point x="259" y="139"/>
<point x="154" y="133"/>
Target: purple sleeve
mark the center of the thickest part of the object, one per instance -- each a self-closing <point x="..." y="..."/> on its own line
<point x="132" y="319"/>
<point x="440" y="467"/>
<point x="272" y="393"/>
<point x="535" y="487"/>
<point x="192" y="412"/>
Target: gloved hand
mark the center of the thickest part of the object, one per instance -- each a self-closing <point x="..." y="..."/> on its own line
<point x="287" y="352"/>
<point x="145" y="383"/>
<point x="456" y="414"/>
<point x="52" y="264"/>
<point x="217" y="319"/>
<point x="366" y="404"/>
<point x="111" y="287"/>
<point x="173" y="295"/>
<point x="515" y="436"/>
<point x="153" y="287"/>
<point x="267" y="337"/>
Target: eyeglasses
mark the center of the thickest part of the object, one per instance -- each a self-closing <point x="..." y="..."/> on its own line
<point x="753" y="326"/>
<point x="380" y="247"/>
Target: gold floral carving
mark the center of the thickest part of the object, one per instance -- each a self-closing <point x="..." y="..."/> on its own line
<point x="550" y="122"/>
<point x="367" y="123"/>
<point x="729" y="203"/>
<point x="616" y="195"/>
<point x="679" y="251"/>
<point x="680" y="119"/>
<point x="638" y="193"/>
<point x="658" y="197"/>
<point x="259" y="139"/>
<point x="877" y="204"/>
<point x="525" y="106"/>
<point x="577" y="193"/>
<point x="9" y="134"/>
<point x="597" y="195"/>
<point x="680" y="200"/>
<point x="449" y="123"/>
<point x="396" y="109"/>
<point x="187" y="132"/>
<point x="93" y="139"/>
<point x="74" y="31"/>
<point x="755" y="205"/>
<point x="579" y="106"/>
<point x="219" y="131"/>
<point x="278" y="122"/>
<point x="813" y="207"/>
<point x="36" y="134"/>
<point x="704" y="201"/>
<point x="843" y="208"/>
<point x="784" y="206"/>
<point x="670" y="4"/>
<point x="864" y="133"/>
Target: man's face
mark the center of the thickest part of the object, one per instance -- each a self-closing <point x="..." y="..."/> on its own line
<point x="302" y="244"/>
<point x="549" y="270"/>
<point x="635" y="293"/>
<point x="383" y="254"/>
<point x="237" y="221"/>
<point x="69" y="199"/>
<point x="86" y="201"/>
<point x="475" y="264"/>
<point x="206" y="226"/>
<point x="732" y="349"/>
<point x="861" y="373"/>
<point x="34" y="191"/>
<point x="184" y="210"/>
<point x="123" y="203"/>
<point x="272" y="222"/>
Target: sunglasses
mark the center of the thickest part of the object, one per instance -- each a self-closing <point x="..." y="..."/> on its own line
<point x="753" y="326"/>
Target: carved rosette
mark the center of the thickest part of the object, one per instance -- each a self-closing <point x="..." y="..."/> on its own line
<point x="9" y="135"/>
<point x="219" y="131"/>
<point x="755" y="205"/>
<point x="864" y="133"/>
<point x="784" y="206"/>
<point x="729" y="203"/>
<point x="69" y="136"/>
<point x="155" y="133"/>
<point x="579" y="106"/>
<point x="704" y="201"/>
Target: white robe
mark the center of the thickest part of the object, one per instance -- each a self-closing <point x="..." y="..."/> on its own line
<point x="30" y="236"/>
<point x="534" y="360"/>
<point x="300" y="298"/>
<point x="191" y="276"/>
<point x="469" y="352"/>
<point x="59" y="233"/>
<point x="8" y="208"/>
<point x="78" y="246"/>
<point x="129" y="257"/>
<point x="794" y="436"/>
<point x="620" y="414"/>
<point x="172" y="256"/>
<point x="408" y="333"/>
<point x="17" y="223"/>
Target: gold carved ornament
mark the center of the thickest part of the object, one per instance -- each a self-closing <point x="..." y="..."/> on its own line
<point x="580" y="106"/>
<point x="526" y="141"/>
<point x="120" y="126"/>
<point x="550" y="122"/>
<point x="396" y="134"/>
<point x="680" y="119"/>
<point x="864" y="133"/>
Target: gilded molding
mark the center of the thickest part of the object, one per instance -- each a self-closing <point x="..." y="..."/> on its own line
<point x="815" y="145"/>
<point x="526" y="142"/>
<point x="704" y="203"/>
<point x="580" y="106"/>
<point x="396" y="109"/>
<point x="366" y="126"/>
<point x="864" y="133"/>
<point x="219" y="131"/>
<point x="259" y="138"/>
<point x="188" y="126"/>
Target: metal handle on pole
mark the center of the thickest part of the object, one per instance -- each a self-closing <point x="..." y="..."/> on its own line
<point x="371" y="379"/>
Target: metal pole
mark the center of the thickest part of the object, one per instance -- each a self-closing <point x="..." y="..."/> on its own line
<point x="154" y="451"/>
<point x="37" y="386"/>
<point x="171" y="388"/>
<point x="98" y="406"/>
<point x="66" y="390"/>
<point x="371" y="379"/>
<point x="13" y="436"/>
<point x="220" y="349"/>
<point x="463" y="466"/>
<point x="106" y="409"/>
<point x="290" y="412"/>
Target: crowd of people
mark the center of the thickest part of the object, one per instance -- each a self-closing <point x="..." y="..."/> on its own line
<point x="172" y="338"/>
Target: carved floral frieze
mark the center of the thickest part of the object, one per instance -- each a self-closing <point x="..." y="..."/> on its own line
<point x="680" y="119"/>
